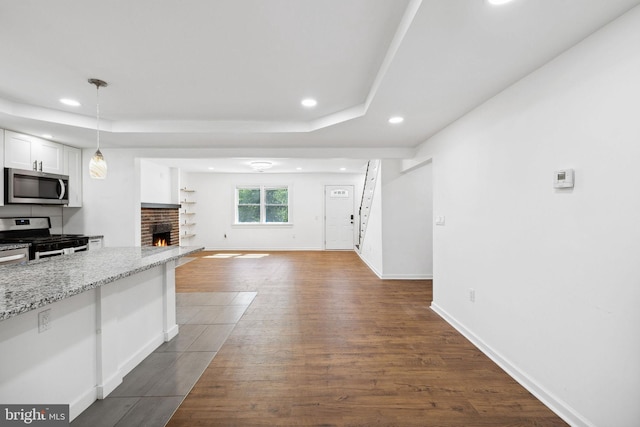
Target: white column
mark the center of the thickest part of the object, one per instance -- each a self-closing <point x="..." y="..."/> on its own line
<point x="170" y="326"/>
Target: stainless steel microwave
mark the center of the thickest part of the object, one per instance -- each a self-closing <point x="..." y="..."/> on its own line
<point x="35" y="188"/>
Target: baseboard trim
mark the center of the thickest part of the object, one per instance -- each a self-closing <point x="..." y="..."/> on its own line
<point x="407" y="276"/>
<point x="560" y="407"/>
<point x="82" y="403"/>
<point x="394" y="276"/>
<point x="171" y="333"/>
<point x="134" y="360"/>
<point x="103" y="390"/>
<point x="209" y="249"/>
<point x="371" y="267"/>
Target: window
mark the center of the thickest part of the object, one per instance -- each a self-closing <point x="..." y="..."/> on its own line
<point x="262" y="205"/>
<point x="248" y="205"/>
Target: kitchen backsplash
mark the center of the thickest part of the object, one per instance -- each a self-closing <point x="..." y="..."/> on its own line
<point x="56" y="213"/>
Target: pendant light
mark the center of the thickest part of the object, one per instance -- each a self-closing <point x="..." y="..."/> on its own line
<point x="97" y="165"/>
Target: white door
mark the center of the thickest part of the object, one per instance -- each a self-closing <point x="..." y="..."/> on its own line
<point x="338" y="216"/>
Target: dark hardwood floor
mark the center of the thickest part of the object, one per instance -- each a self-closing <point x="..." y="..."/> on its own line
<point x="327" y="343"/>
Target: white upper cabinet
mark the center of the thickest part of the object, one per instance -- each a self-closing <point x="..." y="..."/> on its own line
<point x="17" y="151"/>
<point x="73" y="168"/>
<point x="50" y="156"/>
<point x="1" y="172"/>
<point x="31" y="153"/>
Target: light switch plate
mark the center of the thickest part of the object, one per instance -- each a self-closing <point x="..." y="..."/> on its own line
<point x="44" y="320"/>
<point x="563" y="178"/>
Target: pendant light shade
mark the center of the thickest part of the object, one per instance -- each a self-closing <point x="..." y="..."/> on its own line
<point x="98" y="165"/>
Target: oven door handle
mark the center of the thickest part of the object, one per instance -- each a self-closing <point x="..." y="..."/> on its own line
<point x="47" y="253"/>
<point x="79" y="248"/>
<point x="12" y="258"/>
<point x="63" y="189"/>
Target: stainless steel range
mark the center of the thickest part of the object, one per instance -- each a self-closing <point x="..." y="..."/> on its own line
<point x="36" y="232"/>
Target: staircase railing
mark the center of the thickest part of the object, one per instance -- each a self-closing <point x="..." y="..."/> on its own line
<point x="370" y="179"/>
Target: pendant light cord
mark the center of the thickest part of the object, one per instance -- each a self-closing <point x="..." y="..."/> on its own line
<point x="98" y="115"/>
<point x="97" y="164"/>
<point x="98" y="83"/>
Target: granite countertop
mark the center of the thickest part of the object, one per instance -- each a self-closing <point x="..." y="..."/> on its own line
<point x="30" y="286"/>
<point x="9" y="246"/>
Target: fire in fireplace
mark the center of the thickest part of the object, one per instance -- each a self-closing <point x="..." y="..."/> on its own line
<point x="162" y="239"/>
<point x="161" y="234"/>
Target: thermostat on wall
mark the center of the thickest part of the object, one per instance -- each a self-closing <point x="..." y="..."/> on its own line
<point x="563" y="179"/>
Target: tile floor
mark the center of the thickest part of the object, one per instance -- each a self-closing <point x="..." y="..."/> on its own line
<point x="150" y="393"/>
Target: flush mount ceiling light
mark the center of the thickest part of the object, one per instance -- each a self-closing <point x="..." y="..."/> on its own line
<point x="97" y="165"/>
<point x="309" y="102"/>
<point x="396" y="120"/>
<point x="70" y="102"/>
<point x="260" y="166"/>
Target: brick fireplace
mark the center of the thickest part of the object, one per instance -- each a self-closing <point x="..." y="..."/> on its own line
<point x="159" y="223"/>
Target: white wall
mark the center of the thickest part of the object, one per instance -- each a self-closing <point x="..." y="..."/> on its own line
<point x="555" y="272"/>
<point x="111" y="207"/>
<point x="158" y="183"/>
<point x="407" y="204"/>
<point x="398" y="243"/>
<point x="215" y="210"/>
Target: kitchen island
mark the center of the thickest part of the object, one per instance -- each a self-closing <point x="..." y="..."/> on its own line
<point x="72" y="326"/>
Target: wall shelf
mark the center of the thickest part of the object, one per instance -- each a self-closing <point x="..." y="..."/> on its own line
<point x="186" y="225"/>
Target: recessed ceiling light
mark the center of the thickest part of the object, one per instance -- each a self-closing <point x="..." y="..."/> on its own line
<point x="396" y="119"/>
<point x="211" y="168"/>
<point x="498" y="2"/>
<point x="47" y="136"/>
<point x="309" y="102"/>
<point x="70" y="102"/>
<point x="343" y="169"/>
<point x="298" y="169"/>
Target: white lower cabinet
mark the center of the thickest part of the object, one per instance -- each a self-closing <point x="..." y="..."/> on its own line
<point x="95" y="243"/>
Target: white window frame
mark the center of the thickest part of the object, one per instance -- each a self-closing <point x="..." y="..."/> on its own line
<point x="263" y="204"/>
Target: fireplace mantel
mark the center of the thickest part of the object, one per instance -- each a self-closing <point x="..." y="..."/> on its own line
<point x="159" y="206"/>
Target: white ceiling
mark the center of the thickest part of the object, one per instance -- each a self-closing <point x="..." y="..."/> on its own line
<point x="230" y="74"/>
<point x="278" y="165"/>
